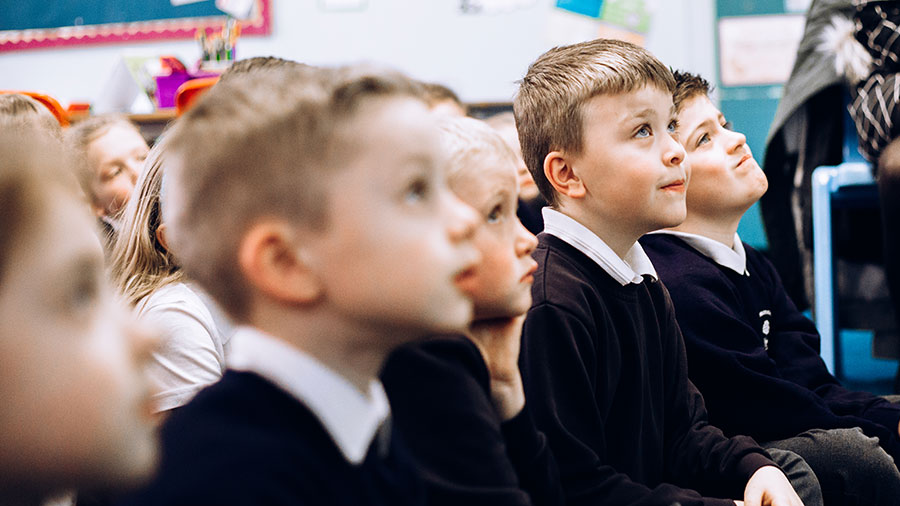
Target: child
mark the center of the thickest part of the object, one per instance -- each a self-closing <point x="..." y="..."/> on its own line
<point x="111" y="153"/>
<point x="530" y="201"/>
<point x="193" y="352"/>
<point x="18" y="110"/>
<point x="754" y="356"/>
<point x="442" y="100"/>
<point x="75" y="400"/>
<point x="312" y="207"/>
<point x="476" y="444"/>
<point x="602" y="358"/>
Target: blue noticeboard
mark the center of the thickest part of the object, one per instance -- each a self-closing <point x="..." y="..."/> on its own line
<point x="590" y="8"/>
<point x="21" y="15"/>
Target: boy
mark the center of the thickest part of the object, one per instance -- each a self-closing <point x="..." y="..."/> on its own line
<point x="476" y="443"/>
<point x="76" y="401"/>
<point x="311" y="206"/>
<point x="754" y="356"/>
<point x="602" y="359"/>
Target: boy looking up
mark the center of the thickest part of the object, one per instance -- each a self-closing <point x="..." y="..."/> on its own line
<point x="602" y="359"/>
<point x="311" y="205"/>
<point x="753" y="355"/>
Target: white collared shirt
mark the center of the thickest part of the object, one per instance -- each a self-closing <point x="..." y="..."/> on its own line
<point x="734" y="258"/>
<point x="351" y="418"/>
<point x="630" y="269"/>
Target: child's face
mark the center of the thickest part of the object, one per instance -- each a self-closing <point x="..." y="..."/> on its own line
<point x="631" y="163"/>
<point x="501" y="285"/>
<point x="398" y="244"/>
<point x="116" y="158"/>
<point x="76" y="404"/>
<point x="725" y="179"/>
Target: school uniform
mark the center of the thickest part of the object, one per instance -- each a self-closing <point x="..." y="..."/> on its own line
<point x="281" y="428"/>
<point x="605" y="374"/>
<point x="439" y="392"/>
<point x="756" y="360"/>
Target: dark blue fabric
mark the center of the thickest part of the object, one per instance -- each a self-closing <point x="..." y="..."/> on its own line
<point x="727" y="320"/>
<point x="246" y="441"/>
<point x="605" y="376"/>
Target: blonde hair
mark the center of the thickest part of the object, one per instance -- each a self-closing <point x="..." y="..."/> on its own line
<point x="548" y="105"/>
<point x="262" y="145"/>
<point x="17" y="110"/>
<point x="139" y="264"/>
<point x="466" y="141"/>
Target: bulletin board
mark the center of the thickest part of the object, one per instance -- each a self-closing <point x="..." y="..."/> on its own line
<point x="28" y="25"/>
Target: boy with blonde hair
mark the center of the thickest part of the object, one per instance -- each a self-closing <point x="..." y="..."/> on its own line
<point x="754" y="356"/>
<point x="602" y="359"/>
<point x="292" y="197"/>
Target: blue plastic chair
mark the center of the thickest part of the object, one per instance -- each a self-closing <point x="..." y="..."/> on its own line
<point x="850" y="183"/>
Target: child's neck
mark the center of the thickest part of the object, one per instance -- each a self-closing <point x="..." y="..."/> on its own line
<point x="720" y="229"/>
<point x="619" y="239"/>
<point x="353" y="353"/>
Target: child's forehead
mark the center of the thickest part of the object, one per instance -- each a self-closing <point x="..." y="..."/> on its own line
<point x="489" y="174"/>
<point x="643" y="101"/>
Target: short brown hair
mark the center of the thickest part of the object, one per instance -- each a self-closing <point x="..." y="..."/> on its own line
<point x="688" y="86"/>
<point x="551" y="96"/>
<point x="255" y="64"/>
<point x="262" y="145"/>
<point x="17" y="110"/>
<point x="30" y="160"/>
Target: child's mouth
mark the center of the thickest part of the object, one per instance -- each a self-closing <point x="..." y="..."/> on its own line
<point x="675" y="186"/>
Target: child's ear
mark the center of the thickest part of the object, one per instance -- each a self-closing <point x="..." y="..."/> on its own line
<point x="269" y="256"/>
<point x="161" y="236"/>
<point x="559" y="172"/>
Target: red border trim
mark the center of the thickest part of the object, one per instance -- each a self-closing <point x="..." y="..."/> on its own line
<point x="183" y="28"/>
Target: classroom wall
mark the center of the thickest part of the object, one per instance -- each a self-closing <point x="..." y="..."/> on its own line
<point x="480" y="56"/>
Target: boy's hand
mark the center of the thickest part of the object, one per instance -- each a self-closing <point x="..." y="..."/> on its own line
<point x="499" y="343"/>
<point x="769" y="487"/>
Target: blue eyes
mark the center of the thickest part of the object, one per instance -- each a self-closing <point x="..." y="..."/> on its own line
<point x="416" y="191"/>
<point x="645" y="131"/>
<point x="495" y="215"/>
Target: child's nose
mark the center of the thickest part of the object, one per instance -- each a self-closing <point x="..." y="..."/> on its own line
<point x="673" y="153"/>
<point x="736" y="140"/>
<point x="462" y="219"/>
<point x="526" y="242"/>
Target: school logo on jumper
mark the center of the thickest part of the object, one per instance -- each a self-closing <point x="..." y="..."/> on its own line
<point x="765" y="315"/>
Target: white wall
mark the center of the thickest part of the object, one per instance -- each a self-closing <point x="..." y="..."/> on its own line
<point x="480" y="56"/>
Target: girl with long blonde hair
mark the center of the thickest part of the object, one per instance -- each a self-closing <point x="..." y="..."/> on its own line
<point x="147" y="276"/>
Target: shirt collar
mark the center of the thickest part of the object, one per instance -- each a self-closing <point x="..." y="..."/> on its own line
<point x="630" y="269"/>
<point x="351" y="418"/>
<point x="734" y="258"/>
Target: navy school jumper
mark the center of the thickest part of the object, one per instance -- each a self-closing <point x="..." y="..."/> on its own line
<point x="756" y="357"/>
<point x="606" y="378"/>
<point x="245" y="441"/>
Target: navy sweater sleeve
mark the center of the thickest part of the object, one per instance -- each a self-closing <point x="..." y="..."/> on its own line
<point x="439" y="394"/>
<point x="567" y="387"/>
<point x="769" y="393"/>
<point x="795" y="348"/>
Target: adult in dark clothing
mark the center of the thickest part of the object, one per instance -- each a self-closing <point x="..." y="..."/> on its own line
<point x="751" y="353"/>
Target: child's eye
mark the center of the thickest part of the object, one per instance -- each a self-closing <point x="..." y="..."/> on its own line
<point x="495" y="214"/>
<point x="642" y="132"/>
<point x="727" y="125"/>
<point x="703" y="139"/>
<point x="673" y="126"/>
<point x="416" y="191"/>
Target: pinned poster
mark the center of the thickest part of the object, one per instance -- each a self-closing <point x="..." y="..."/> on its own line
<point x="627" y="20"/>
<point x="590" y="8"/>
